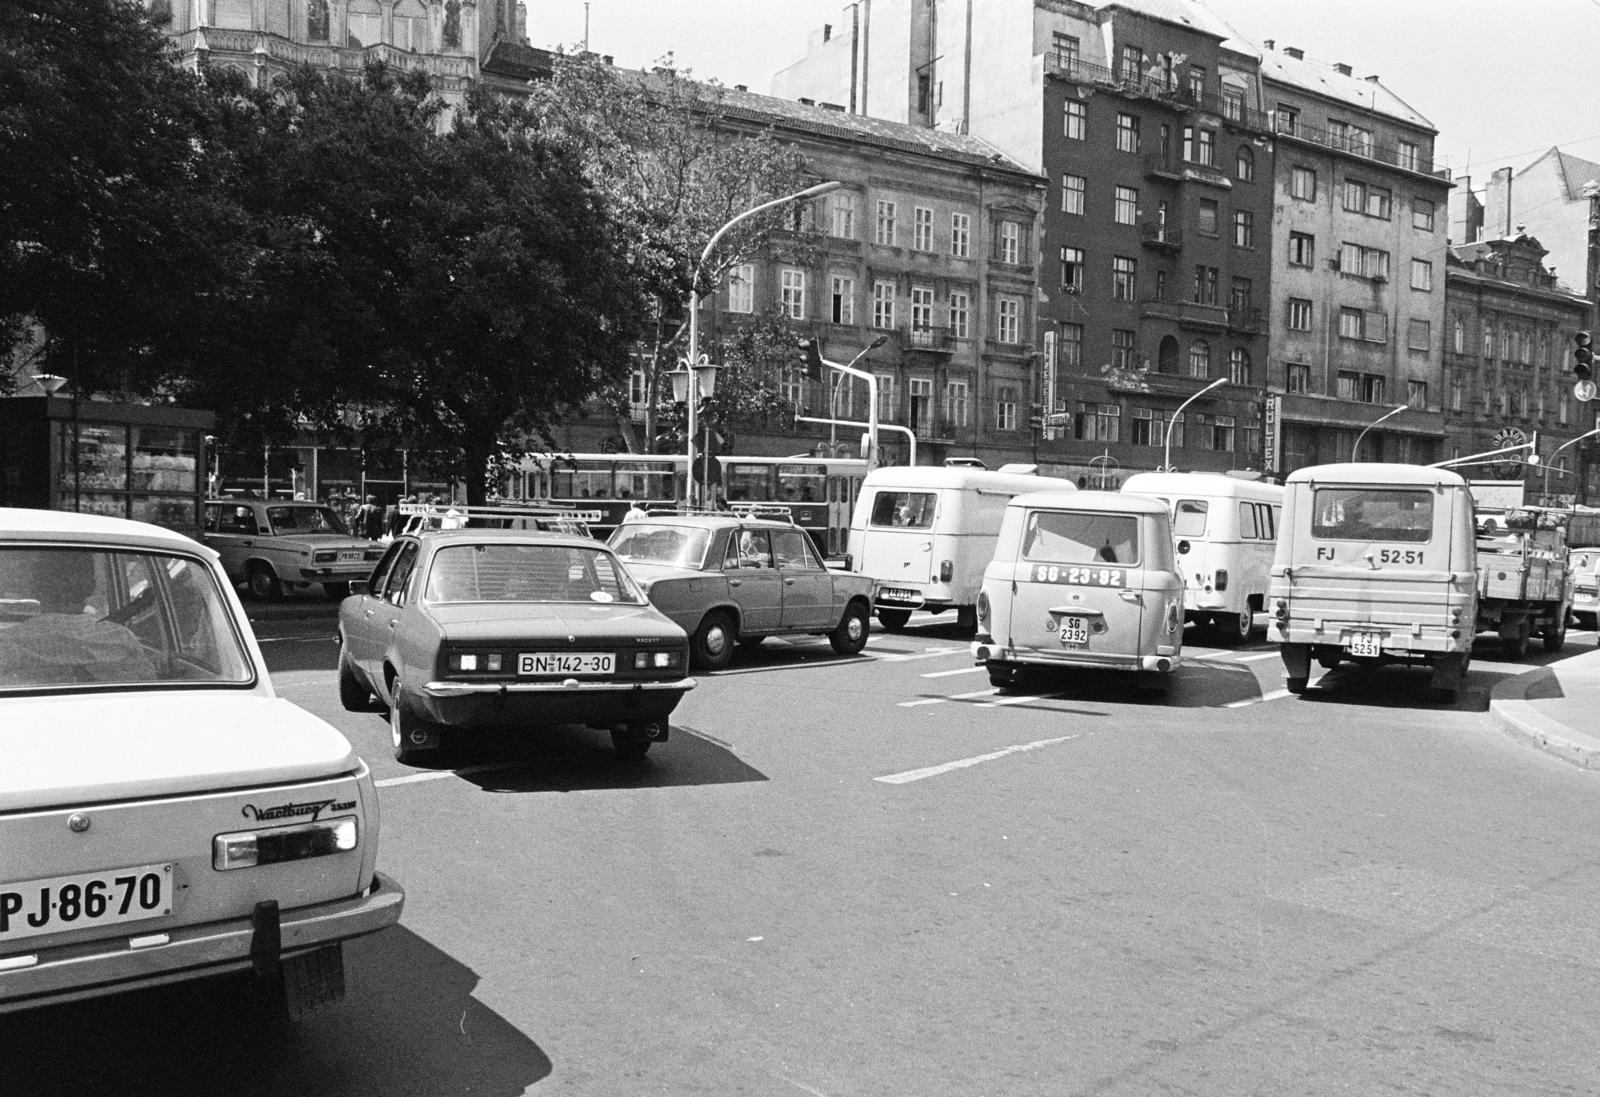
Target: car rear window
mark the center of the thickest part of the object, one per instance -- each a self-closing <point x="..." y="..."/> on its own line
<point x="908" y="509"/>
<point x="683" y="546"/>
<point x="89" y="619"/>
<point x="1189" y="518"/>
<point x="528" y="573"/>
<point x="1080" y="537"/>
<point x="1372" y="514"/>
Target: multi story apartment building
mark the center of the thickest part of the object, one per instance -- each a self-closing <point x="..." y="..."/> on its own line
<point x="1557" y="199"/>
<point x="1507" y="360"/>
<point x="458" y="42"/>
<point x="1359" y="250"/>
<point x="931" y="244"/>
<point x="1155" y="261"/>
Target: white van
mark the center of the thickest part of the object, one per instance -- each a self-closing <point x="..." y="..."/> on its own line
<point x="1227" y="530"/>
<point x="925" y="533"/>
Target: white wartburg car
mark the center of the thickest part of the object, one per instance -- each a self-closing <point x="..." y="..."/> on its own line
<point x="163" y="814"/>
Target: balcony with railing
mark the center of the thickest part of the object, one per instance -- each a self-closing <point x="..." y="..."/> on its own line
<point x="1156" y="234"/>
<point x="929" y="338"/>
<point x="1186" y="314"/>
<point x="1361" y="146"/>
<point x="1159" y="87"/>
<point x="1167" y="166"/>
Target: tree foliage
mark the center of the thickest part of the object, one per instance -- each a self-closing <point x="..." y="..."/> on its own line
<point x="675" y="167"/>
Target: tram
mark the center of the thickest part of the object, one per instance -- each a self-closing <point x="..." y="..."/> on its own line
<point x="820" y="492"/>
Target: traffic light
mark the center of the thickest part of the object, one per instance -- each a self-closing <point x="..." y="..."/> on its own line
<point x="1582" y="356"/>
<point x="813" y="353"/>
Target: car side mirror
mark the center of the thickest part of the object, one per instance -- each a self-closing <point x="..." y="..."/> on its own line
<point x="1183" y="548"/>
<point x="359" y="586"/>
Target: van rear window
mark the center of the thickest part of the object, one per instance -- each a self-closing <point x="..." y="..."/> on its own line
<point x="1371" y="514"/>
<point x="1189" y="518"/>
<point x="908" y="509"/>
<point x="1079" y="537"/>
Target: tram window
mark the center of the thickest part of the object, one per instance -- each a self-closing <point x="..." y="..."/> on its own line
<point x="645" y="480"/>
<point x="802" y="483"/>
<point x="748" y="482"/>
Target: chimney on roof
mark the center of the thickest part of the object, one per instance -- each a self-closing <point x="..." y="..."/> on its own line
<point x="740" y="87"/>
<point x="1373" y="79"/>
<point x="1296" y="52"/>
<point x="827" y="31"/>
<point x="832" y="106"/>
<point x="808" y="102"/>
<point x="1269" y="43"/>
<point x="1344" y="69"/>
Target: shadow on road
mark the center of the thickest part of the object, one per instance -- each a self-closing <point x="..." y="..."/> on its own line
<point x="409" y="1025"/>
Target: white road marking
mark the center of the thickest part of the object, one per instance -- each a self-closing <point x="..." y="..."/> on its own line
<point x="905" y="657"/>
<point x="1258" y="656"/>
<point x="952" y="697"/>
<point x="1273" y="696"/>
<point x="933" y="771"/>
<point x="948" y="673"/>
<point x="1014" y="700"/>
<point x="441" y="774"/>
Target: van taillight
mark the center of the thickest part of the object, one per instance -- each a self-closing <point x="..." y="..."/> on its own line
<point x="983" y="608"/>
<point x="1222" y="578"/>
<point x="947" y="570"/>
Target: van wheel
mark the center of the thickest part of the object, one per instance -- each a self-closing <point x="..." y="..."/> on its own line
<point x="1001" y="675"/>
<point x="894" y="620"/>
<point x="1236" y="626"/>
<point x="712" y="644"/>
<point x="1555" y="637"/>
<point x="1296" y="686"/>
<point x="1328" y="659"/>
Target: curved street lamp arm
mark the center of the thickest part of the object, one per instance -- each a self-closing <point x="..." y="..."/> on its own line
<point x="1166" y="442"/>
<point x="1357" y="443"/>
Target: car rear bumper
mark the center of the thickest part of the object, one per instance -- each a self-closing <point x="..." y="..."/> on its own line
<point x="1080" y="657"/>
<point x="72" y="972"/>
<point x="570" y="701"/>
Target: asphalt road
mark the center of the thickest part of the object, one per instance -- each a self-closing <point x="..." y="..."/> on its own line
<point x="879" y="876"/>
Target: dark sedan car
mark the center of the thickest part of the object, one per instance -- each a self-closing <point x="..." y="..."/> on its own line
<point x="473" y="628"/>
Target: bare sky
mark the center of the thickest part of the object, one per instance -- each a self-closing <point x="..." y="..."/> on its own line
<point x="1501" y="80"/>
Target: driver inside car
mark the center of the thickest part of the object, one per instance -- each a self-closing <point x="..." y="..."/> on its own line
<point x="65" y="642"/>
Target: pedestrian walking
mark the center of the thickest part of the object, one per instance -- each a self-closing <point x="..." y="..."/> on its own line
<point x="369" y="519"/>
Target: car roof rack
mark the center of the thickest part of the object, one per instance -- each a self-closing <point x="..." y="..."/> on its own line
<point x="774" y="511"/>
<point x="503" y="510"/>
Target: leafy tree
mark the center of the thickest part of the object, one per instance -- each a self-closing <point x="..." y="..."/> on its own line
<point x="676" y="167"/>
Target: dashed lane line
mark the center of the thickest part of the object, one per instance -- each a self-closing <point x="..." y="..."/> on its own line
<point x="907" y="656"/>
<point x="910" y="775"/>
<point x="953" y="697"/>
<point x="962" y="670"/>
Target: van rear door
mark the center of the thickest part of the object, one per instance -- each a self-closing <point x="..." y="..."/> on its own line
<point x="896" y="545"/>
<point x="1077" y="583"/>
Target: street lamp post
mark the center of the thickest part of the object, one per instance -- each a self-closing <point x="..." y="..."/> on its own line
<point x="1166" y="444"/>
<point x="694" y="298"/>
<point x="1354" y="446"/>
<point x="813" y="350"/>
<point x="1551" y="459"/>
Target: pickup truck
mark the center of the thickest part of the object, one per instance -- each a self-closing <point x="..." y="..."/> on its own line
<point x="1525" y="581"/>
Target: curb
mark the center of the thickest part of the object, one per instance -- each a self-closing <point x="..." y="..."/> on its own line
<point x="1521" y="719"/>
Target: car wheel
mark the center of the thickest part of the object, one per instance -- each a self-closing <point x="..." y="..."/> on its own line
<point x="1237" y="626"/>
<point x="405" y="727"/>
<point x="263" y="583"/>
<point x="336" y="590"/>
<point x="713" y="642"/>
<point x="1001" y="675"/>
<point x="353" y="692"/>
<point x="849" y="636"/>
<point x="633" y="741"/>
<point x="894" y="620"/>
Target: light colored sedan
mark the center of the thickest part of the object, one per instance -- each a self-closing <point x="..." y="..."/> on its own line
<point x="164" y="815"/>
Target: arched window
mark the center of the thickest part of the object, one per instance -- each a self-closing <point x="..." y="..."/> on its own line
<point x="1461" y="336"/>
<point x="1245" y="164"/>
<point x="317" y="20"/>
<point x="411" y="26"/>
<point x="1199" y="358"/>
<point x="363" y="24"/>
<point x="1239" y="366"/>
<point x="1167" y="356"/>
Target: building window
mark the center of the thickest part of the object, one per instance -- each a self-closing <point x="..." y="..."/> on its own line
<point x="1205" y="285"/>
<point x="843" y="293"/>
<point x="1244" y="164"/>
<point x="1302" y="249"/>
<point x="1365" y="198"/>
<point x="1303" y="184"/>
<point x="919" y="404"/>
<point x="922" y="228"/>
<point x="1069" y="349"/>
<point x="1407" y="155"/>
<point x="1218" y="433"/>
<point x="1065" y="49"/>
<point x="1208" y="211"/>
<point x="1422" y="214"/>
<point x="1145" y="427"/>
<point x="882" y="304"/>
<point x="843" y="219"/>
<point x="1005" y="407"/>
<point x="1008" y="319"/>
<point x="959" y="313"/>
<point x="1197" y="83"/>
<point x="1075" y="119"/>
<point x="1240" y="294"/>
<point x="884" y="231"/>
<point x="363" y="23"/>
<point x="1127" y="133"/>
<point x="1297" y="376"/>
<point x="742" y="288"/>
<point x="1199" y="145"/>
<point x="961" y="235"/>
<point x="1348" y="385"/>
<point x="1072" y="269"/>
<point x="886" y="395"/>
<point x="1363" y="262"/>
<point x="1417" y="394"/>
<point x="1010" y="242"/>
<point x="1288" y="119"/>
<point x="1199" y="358"/>
<point x="1299" y="314"/>
<point x="1456" y="393"/>
<point x="1238" y="366"/>
<point x="1232" y="104"/>
<point x="1419" y="335"/>
<point x="1372" y="327"/>
<point x="1244" y="229"/>
<point x="1122" y="356"/>
<point x="1124" y="275"/>
<point x="1125" y="208"/>
<point x="1421" y="274"/>
<point x="1488" y="342"/>
<point x="955" y="403"/>
<point x="1097" y="423"/>
<point x="317" y="21"/>
<point x="410" y="26"/>
<point x="792" y="293"/>
<point x="1350" y="323"/>
<point x="1072" y="193"/>
<point x="1129" y="61"/>
<point x="1459" y="337"/>
<point x="921" y="308"/>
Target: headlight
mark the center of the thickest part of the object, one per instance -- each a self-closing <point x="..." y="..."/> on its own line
<point x="324" y="557"/>
<point x="271" y="845"/>
<point x="470" y="661"/>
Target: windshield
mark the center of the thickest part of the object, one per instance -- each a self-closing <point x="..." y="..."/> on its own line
<point x="83" y="619"/>
<point x="306" y="520"/>
<point x="528" y="573"/>
<point x="682" y="546"/>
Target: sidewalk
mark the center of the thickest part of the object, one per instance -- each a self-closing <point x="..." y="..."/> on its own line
<point x="1555" y="708"/>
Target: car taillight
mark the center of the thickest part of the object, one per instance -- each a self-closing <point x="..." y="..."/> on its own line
<point x="1222" y="578"/>
<point x="271" y="845"/>
<point x="983" y="608"/>
<point x="947" y="570"/>
<point x="657" y="660"/>
<point x="469" y="661"/>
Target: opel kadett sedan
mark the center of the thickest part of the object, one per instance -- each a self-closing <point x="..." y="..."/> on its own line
<point x="735" y="579"/>
<point x="478" y="628"/>
<point x="164" y="815"/>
